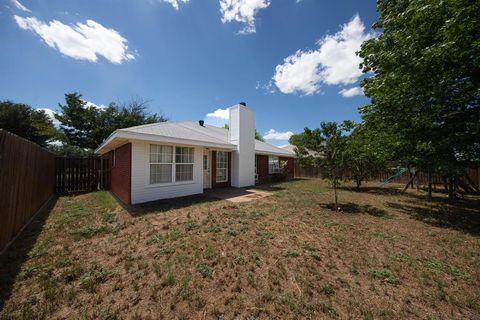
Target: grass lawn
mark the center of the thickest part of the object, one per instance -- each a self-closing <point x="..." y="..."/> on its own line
<point x="385" y="256"/>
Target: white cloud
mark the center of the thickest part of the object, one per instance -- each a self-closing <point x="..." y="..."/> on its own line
<point x="51" y="114"/>
<point x="89" y="104"/>
<point x="175" y="3"/>
<point x="272" y="134"/>
<point x="242" y="11"/>
<point x="219" y="114"/>
<point x="351" y="92"/>
<point x="334" y="62"/>
<point x="268" y="87"/>
<point x="20" y="6"/>
<point x="83" y="41"/>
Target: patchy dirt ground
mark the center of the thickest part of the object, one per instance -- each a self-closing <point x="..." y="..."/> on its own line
<point x="384" y="256"/>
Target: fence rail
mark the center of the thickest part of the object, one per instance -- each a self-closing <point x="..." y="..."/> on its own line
<point x="27" y="182"/>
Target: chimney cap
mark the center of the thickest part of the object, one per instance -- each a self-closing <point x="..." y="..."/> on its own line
<point x="201" y="122"/>
<point x="243" y="104"/>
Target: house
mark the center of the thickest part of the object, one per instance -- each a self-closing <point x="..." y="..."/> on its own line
<point x="173" y="159"/>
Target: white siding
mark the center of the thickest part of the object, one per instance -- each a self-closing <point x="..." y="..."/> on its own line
<point x="143" y="192"/>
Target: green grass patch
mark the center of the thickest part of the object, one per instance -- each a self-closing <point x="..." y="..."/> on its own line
<point x="88" y="232"/>
<point x="205" y="270"/>
<point x="383" y="274"/>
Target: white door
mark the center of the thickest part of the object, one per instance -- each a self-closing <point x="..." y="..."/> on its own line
<point x="206" y="170"/>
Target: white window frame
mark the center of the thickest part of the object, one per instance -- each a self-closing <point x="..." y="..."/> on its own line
<point x="226" y="167"/>
<point x="192" y="163"/>
<point x="173" y="163"/>
<point x="270" y="167"/>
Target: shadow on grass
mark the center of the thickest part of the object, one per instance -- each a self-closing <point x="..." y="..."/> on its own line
<point x="12" y="260"/>
<point x="276" y="186"/>
<point x="160" y="206"/>
<point x="354" y="208"/>
<point x="462" y="215"/>
<point x="387" y="190"/>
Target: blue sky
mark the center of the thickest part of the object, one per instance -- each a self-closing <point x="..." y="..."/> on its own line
<point x="292" y="61"/>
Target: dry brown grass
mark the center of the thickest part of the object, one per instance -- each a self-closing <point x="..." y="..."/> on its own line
<point x="384" y="256"/>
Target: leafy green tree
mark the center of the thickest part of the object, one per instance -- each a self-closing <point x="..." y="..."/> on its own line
<point x="363" y="158"/>
<point x="23" y="120"/>
<point x="258" y="136"/>
<point x="329" y="141"/>
<point x="424" y="89"/>
<point x="86" y="126"/>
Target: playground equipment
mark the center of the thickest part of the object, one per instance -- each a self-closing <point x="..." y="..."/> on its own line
<point x="396" y="175"/>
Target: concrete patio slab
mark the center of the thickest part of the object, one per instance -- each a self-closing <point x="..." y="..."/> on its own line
<point x="237" y="195"/>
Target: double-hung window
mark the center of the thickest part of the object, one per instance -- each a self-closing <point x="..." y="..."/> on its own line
<point x="273" y="165"/>
<point x="184" y="164"/>
<point x="222" y="166"/>
<point x="161" y="163"/>
<point x="167" y="166"/>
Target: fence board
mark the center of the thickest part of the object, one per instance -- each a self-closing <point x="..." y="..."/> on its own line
<point x="80" y="174"/>
<point x="27" y="182"/>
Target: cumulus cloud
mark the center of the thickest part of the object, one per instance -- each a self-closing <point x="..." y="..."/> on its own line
<point x="218" y="117"/>
<point x="176" y="3"/>
<point x="334" y="62"/>
<point x="351" y="92"/>
<point x="89" y="104"/>
<point x="219" y="114"/>
<point x="242" y="11"/>
<point x="82" y="41"/>
<point x="51" y="114"/>
<point x="20" y="6"/>
<point x="273" y="134"/>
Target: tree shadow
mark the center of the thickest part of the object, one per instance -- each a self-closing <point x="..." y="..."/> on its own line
<point x="461" y="215"/>
<point x="276" y="185"/>
<point x="390" y="190"/>
<point x="13" y="258"/>
<point x="161" y="206"/>
<point x="354" y="208"/>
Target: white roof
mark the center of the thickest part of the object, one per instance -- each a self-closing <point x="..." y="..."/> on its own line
<point x="184" y="133"/>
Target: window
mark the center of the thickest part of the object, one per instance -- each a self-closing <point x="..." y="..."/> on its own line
<point x="273" y="165"/>
<point x="222" y="166"/>
<point x="184" y="164"/>
<point x="162" y="164"/>
<point x="161" y="158"/>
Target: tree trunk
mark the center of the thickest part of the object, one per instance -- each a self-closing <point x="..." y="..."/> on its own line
<point x="335" y="191"/>
<point x="358" y="185"/>
<point x="451" y="193"/>
<point x="429" y="182"/>
<point x="410" y="182"/>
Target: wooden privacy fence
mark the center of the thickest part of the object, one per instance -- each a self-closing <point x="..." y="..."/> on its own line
<point x="27" y="183"/>
<point x="81" y="174"/>
<point x="469" y="182"/>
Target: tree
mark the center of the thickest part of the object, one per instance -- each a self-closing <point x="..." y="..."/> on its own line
<point x="425" y="85"/>
<point x="363" y="157"/>
<point x="86" y="126"/>
<point x="23" y="120"/>
<point x="329" y="142"/>
<point x="258" y="136"/>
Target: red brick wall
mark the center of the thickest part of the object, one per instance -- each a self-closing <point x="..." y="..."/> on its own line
<point x="290" y="169"/>
<point x="121" y="172"/>
<point x="214" y="171"/>
<point x="262" y="168"/>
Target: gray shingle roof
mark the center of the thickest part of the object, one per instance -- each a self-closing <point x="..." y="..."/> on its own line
<point x="193" y="131"/>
